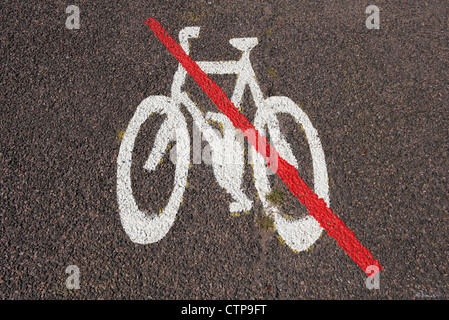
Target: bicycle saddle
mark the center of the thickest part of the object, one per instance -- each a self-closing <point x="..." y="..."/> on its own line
<point x="244" y="44"/>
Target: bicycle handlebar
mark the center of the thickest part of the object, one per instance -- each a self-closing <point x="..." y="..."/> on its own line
<point x="184" y="36"/>
<point x="242" y="44"/>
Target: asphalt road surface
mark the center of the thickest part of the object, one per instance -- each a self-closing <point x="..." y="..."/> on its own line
<point x="378" y="99"/>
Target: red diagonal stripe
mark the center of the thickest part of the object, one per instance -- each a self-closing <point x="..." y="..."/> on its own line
<point x="316" y="206"/>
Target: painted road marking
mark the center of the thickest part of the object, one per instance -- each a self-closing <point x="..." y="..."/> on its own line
<point x="317" y="207"/>
<point x="225" y="153"/>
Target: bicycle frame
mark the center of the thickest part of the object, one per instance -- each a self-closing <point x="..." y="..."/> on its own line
<point x="242" y="68"/>
<point x="298" y="234"/>
<point x="225" y="152"/>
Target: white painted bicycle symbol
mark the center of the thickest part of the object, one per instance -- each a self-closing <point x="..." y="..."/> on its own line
<point x="145" y="228"/>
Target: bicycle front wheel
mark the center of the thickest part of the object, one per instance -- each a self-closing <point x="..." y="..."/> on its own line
<point x="140" y="226"/>
<point x="301" y="233"/>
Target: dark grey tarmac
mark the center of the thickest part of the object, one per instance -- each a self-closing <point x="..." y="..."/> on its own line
<point x="378" y="98"/>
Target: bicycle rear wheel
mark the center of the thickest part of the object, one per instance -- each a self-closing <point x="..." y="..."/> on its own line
<point x="141" y="227"/>
<point x="301" y="233"/>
